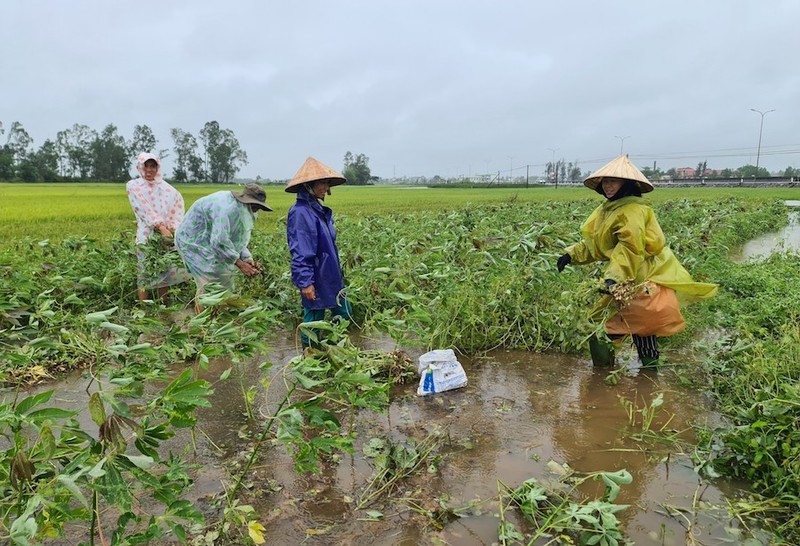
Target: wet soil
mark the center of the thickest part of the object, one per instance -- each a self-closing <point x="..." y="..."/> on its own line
<point x="520" y="415"/>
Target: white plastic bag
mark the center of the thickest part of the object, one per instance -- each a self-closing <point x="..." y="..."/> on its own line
<point x="437" y="356"/>
<point x="440" y="371"/>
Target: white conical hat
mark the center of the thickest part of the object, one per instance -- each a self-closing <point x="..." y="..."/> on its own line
<point x="311" y="171"/>
<point x="620" y="167"/>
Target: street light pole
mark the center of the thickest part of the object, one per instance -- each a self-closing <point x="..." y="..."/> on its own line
<point x="621" y="141"/>
<point x="553" y="164"/>
<point x="760" y="130"/>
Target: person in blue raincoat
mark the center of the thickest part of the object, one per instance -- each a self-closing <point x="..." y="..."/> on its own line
<point x="316" y="269"/>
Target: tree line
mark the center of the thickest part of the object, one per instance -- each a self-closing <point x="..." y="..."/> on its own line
<point x="81" y="154"/>
<point x="702" y="171"/>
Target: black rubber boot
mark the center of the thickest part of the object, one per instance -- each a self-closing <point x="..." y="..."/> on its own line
<point x="602" y="352"/>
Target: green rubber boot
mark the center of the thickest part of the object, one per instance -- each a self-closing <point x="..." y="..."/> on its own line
<point x="602" y="352"/>
<point x="649" y="362"/>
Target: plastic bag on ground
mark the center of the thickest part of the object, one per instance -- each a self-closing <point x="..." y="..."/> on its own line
<point x="440" y="371"/>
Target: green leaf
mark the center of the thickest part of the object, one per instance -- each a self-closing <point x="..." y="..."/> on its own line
<point x="97" y="409"/>
<point x="69" y="483"/>
<point x="101" y="316"/>
<point x="51" y="413"/>
<point x="306" y="381"/>
<point x="141" y="461"/>
<point x="116" y="328"/>
<point x="374" y="514"/>
<point x="32" y="401"/>
<point x="97" y="470"/>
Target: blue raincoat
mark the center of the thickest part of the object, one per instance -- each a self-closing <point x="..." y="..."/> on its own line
<point x="312" y="244"/>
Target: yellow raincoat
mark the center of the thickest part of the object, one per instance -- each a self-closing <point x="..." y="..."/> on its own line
<point x="626" y="234"/>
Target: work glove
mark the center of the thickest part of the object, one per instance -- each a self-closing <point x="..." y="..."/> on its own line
<point x="563" y="261"/>
<point x="608" y="283"/>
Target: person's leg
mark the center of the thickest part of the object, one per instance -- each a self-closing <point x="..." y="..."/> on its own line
<point x="310" y="315"/>
<point x="142" y="293"/>
<point x="201" y="282"/>
<point x="343" y="309"/>
<point x="647" y="347"/>
<point x="163" y="292"/>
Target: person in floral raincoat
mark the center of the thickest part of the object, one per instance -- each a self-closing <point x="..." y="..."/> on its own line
<point x="214" y="236"/>
<point x="158" y="208"/>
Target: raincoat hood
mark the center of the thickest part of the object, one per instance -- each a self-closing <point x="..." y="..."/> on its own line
<point x="141" y="160"/>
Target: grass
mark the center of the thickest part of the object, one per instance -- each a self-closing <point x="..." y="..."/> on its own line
<point x="55" y="211"/>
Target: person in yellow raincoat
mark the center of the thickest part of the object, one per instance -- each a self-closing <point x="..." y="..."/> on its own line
<point x="643" y="277"/>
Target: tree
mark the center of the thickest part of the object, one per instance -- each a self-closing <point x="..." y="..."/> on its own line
<point x="15" y="151"/>
<point x="750" y="171"/>
<point x="143" y="140"/>
<point x="41" y="165"/>
<point x="791" y="172"/>
<point x="574" y="172"/>
<point x="652" y="174"/>
<point x="109" y="156"/>
<point x="75" y="144"/>
<point x="701" y="169"/>
<point x="188" y="165"/>
<point x="6" y="163"/>
<point x="18" y="142"/>
<point x="356" y="169"/>
<point x="558" y="171"/>
<point x="223" y="154"/>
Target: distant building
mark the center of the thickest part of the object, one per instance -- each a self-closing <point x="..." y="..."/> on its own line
<point x="685" y="172"/>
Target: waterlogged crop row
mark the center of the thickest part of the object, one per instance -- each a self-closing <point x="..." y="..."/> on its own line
<point x="472" y="279"/>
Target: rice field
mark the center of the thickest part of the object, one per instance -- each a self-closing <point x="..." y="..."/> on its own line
<point x="101" y="211"/>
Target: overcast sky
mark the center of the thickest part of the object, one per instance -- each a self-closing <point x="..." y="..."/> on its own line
<point x="421" y="87"/>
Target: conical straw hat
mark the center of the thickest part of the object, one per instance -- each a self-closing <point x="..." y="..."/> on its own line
<point x="311" y="171"/>
<point x="620" y="167"/>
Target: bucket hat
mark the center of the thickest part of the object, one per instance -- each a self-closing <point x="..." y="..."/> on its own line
<point x="313" y="170"/>
<point x="252" y="194"/>
<point x="621" y="168"/>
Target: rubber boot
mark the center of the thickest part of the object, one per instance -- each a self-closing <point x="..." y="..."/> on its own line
<point x="602" y="352"/>
<point x="649" y="361"/>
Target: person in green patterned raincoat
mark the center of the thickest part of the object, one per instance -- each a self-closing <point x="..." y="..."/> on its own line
<point x="214" y="234"/>
<point x="646" y="283"/>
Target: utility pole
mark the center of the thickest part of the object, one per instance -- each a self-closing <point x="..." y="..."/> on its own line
<point x="621" y="141"/>
<point x="760" y="130"/>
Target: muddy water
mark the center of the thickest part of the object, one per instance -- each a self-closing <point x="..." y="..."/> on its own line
<point x="519" y="413"/>
<point x="783" y="241"/>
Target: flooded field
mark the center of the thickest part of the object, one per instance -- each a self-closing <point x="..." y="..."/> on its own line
<point x="522" y="415"/>
<point x="785" y="240"/>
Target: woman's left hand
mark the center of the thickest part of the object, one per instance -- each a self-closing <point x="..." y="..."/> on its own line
<point x="165" y="232"/>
